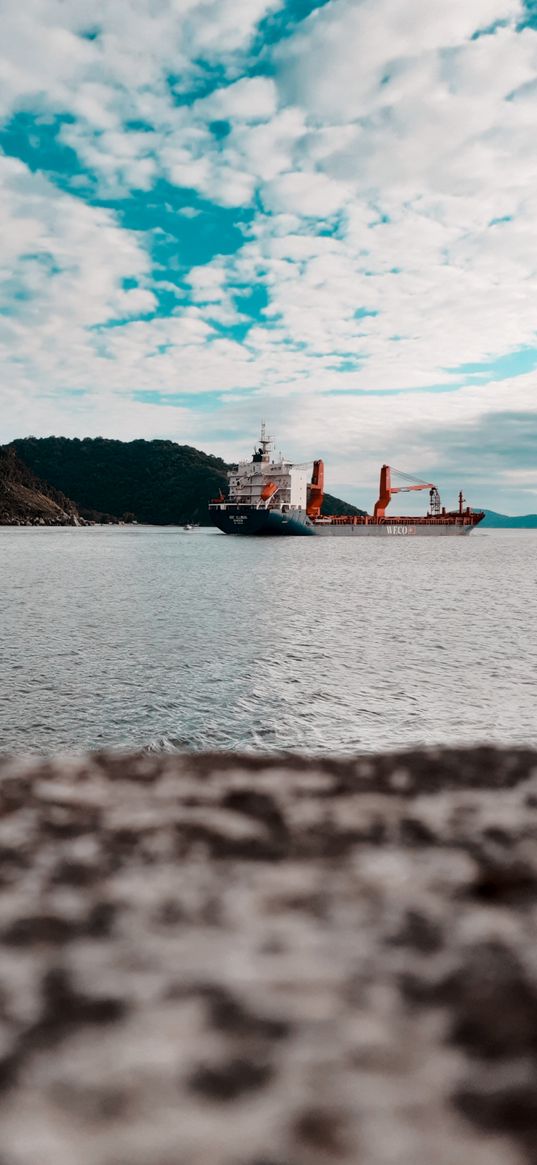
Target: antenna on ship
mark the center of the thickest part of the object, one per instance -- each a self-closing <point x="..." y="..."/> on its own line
<point x="265" y="443"/>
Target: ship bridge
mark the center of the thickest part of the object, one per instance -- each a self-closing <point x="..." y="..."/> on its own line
<point x="267" y="483"/>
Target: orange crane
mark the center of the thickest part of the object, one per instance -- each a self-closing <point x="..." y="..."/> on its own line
<point x="316" y="491"/>
<point x="386" y="490"/>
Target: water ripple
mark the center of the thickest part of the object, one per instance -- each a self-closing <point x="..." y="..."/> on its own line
<point x="153" y="638"/>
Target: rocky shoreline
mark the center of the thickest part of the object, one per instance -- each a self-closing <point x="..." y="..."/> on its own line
<point x="25" y="500"/>
<point x="64" y="520"/>
<point x="224" y="960"/>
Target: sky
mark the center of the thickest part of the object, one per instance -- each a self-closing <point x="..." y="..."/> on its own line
<point x="323" y="214"/>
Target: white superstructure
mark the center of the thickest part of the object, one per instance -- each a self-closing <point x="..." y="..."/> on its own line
<point x="269" y="484"/>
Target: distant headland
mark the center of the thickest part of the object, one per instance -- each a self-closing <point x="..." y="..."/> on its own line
<point x="506" y="521"/>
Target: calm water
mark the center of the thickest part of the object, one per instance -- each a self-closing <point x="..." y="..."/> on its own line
<point x="157" y="637"/>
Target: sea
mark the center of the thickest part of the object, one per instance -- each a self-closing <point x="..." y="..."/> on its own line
<point x="166" y="639"/>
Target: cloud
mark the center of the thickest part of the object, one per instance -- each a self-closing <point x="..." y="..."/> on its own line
<point x="310" y="194"/>
<point x="250" y="99"/>
<point x="118" y="54"/>
<point x="65" y="263"/>
<point x="377" y="161"/>
<point x="345" y="54"/>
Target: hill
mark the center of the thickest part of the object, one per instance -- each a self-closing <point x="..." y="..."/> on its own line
<point x="506" y="521"/>
<point x="158" y="482"/>
<point x="335" y="508"/>
<point x="25" y="500"/>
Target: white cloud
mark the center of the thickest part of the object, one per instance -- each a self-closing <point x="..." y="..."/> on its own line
<point x="64" y="261"/>
<point x="337" y="64"/>
<point x="394" y="160"/>
<point x="223" y="26"/>
<point x="250" y="99"/>
<point x="136" y="46"/>
<point x="266" y="149"/>
<point x="302" y="193"/>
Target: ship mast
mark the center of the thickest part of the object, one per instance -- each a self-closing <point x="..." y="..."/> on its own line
<point x="262" y="454"/>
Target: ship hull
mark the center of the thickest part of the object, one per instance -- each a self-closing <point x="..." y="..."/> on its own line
<point x="407" y="530"/>
<point x="250" y="522"/>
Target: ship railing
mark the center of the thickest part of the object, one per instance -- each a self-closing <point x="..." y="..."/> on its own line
<point x="450" y="519"/>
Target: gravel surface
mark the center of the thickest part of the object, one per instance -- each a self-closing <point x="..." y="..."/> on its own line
<point x="225" y="960"/>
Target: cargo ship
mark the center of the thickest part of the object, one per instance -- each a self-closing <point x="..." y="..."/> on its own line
<point x="272" y="497"/>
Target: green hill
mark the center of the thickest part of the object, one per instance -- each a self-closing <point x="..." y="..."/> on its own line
<point x="158" y="482"/>
<point x="335" y="508"/>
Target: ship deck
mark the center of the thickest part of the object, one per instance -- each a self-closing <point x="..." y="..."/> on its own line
<point x="452" y="519"/>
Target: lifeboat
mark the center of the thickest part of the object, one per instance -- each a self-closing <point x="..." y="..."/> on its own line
<point x="268" y="491"/>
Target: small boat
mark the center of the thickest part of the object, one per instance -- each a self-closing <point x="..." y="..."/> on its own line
<point x="188" y="526"/>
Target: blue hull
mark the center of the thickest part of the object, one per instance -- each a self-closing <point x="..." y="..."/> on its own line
<point x="247" y="520"/>
<point x="261" y="523"/>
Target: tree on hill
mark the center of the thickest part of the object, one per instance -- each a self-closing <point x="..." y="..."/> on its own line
<point x="335" y="508"/>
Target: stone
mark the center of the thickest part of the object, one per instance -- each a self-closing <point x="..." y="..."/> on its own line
<point x="225" y="960"/>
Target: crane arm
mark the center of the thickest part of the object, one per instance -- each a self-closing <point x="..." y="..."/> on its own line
<point x="386" y="490"/>
<point x="316" y="491"/>
<point x="406" y="489"/>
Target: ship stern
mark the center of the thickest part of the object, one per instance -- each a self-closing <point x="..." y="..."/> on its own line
<point x="253" y="522"/>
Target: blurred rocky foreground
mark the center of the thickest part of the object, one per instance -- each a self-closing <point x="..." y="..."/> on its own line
<point x="225" y="960"/>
